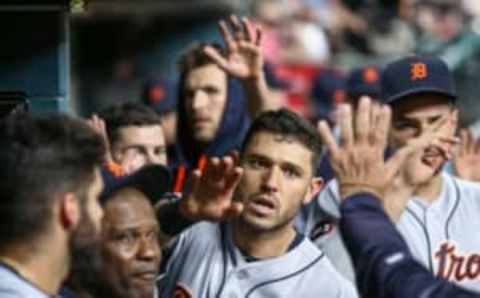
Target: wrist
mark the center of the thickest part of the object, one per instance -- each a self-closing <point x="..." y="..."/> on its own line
<point x="255" y="79"/>
<point x="186" y="210"/>
<point x="348" y="190"/>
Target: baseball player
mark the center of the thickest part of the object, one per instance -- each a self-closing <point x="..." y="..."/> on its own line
<point x="439" y="220"/>
<point x="382" y="260"/>
<point x="254" y="250"/>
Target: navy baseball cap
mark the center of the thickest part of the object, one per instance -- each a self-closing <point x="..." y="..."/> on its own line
<point x="414" y="75"/>
<point x="364" y="81"/>
<point x="160" y="94"/>
<point x="328" y="89"/>
<point x="152" y="180"/>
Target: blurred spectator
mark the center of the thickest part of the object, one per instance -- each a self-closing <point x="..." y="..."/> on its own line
<point x="363" y="81"/>
<point x="270" y="14"/>
<point x="445" y="31"/>
<point x="305" y="41"/>
<point x="161" y="95"/>
<point x="124" y="85"/>
<point x="328" y="91"/>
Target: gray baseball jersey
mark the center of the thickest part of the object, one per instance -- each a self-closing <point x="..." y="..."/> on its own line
<point x="444" y="236"/>
<point x="206" y="263"/>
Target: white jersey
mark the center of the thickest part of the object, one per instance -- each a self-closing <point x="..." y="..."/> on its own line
<point x="444" y="236"/>
<point x="206" y="263"/>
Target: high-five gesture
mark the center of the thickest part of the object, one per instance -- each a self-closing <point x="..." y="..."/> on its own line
<point x="466" y="161"/>
<point x="243" y="58"/>
<point x="211" y="193"/>
<point x="358" y="160"/>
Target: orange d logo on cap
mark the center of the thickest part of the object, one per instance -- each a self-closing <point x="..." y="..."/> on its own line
<point x="370" y="75"/>
<point x="419" y="71"/>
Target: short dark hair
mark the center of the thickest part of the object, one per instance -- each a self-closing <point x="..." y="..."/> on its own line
<point x="40" y="158"/>
<point x="288" y="124"/>
<point x="195" y="57"/>
<point x="127" y="114"/>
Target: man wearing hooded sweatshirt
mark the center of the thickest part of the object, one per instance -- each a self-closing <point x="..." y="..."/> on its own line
<point x="212" y="111"/>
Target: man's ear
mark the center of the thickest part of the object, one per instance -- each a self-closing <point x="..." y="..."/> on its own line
<point x="316" y="184"/>
<point x="69" y="210"/>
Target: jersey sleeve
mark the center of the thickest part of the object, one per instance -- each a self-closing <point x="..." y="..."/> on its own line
<point x="383" y="263"/>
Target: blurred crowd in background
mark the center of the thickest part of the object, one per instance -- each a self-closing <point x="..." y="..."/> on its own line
<point x="311" y="46"/>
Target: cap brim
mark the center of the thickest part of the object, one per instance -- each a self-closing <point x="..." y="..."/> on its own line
<point x="420" y="90"/>
<point x="152" y="180"/>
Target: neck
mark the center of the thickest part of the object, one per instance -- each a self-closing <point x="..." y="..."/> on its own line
<point x="43" y="270"/>
<point x="431" y="189"/>
<point x="263" y="244"/>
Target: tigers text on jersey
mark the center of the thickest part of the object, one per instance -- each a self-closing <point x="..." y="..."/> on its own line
<point x="206" y="263"/>
<point x="444" y="236"/>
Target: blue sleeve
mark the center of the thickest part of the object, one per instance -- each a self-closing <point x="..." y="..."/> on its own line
<point x="383" y="264"/>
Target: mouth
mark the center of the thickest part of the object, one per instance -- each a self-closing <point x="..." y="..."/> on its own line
<point x="146" y="276"/>
<point x="198" y="121"/>
<point x="262" y="206"/>
<point x="433" y="158"/>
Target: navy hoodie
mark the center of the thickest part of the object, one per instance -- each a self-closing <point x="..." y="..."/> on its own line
<point x="230" y="134"/>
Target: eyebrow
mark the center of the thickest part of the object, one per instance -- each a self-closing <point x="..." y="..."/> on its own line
<point x="282" y="162"/>
<point x="132" y="228"/>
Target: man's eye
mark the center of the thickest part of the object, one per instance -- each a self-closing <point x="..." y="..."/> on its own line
<point x="211" y="90"/>
<point x="256" y="163"/>
<point x="125" y="238"/>
<point x="152" y="235"/>
<point x="291" y="173"/>
<point x="403" y="125"/>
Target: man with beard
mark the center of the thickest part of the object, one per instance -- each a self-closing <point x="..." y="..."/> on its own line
<point x="439" y="221"/>
<point x="49" y="212"/>
<point x="253" y="250"/>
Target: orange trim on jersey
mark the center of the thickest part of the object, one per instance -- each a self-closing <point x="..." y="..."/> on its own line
<point x="115" y="169"/>
<point x="202" y="162"/>
<point x="180" y="179"/>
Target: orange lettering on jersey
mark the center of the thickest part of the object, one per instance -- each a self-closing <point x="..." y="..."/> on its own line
<point x="419" y="71"/>
<point x="453" y="266"/>
<point x="181" y="292"/>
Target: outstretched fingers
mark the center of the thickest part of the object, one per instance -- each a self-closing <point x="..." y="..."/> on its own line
<point x="328" y="139"/>
<point x="345" y="124"/>
<point x="215" y="55"/>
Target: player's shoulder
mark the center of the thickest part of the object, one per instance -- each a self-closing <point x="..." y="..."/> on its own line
<point x="328" y="199"/>
<point x="326" y="275"/>
<point x="468" y="190"/>
<point x="201" y="236"/>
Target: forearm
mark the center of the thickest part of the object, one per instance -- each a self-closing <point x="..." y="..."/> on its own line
<point x="383" y="263"/>
<point x="260" y="97"/>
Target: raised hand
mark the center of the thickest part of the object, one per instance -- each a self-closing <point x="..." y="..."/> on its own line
<point x="211" y="192"/>
<point x="98" y="125"/>
<point x="243" y="58"/>
<point x="359" y="160"/>
<point x="466" y="161"/>
<point x="417" y="169"/>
